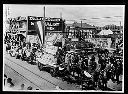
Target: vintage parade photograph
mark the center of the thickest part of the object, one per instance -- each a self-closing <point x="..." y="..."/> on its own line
<point x="63" y="48"/>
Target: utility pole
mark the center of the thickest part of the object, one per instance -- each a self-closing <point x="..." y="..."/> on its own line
<point x="27" y="30"/>
<point x="81" y="30"/>
<point x="81" y="24"/>
<point x="44" y="27"/>
<point x="120" y="25"/>
<point x="6" y="18"/>
<point x="61" y="15"/>
<point x="8" y="11"/>
<point x="62" y="20"/>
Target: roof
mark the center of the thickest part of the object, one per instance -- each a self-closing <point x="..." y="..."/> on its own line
<point x="69" y="24"/>
<point x="105" y="32"/>
<point x="84" y="25"/>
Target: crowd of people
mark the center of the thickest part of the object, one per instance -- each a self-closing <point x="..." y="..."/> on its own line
<point x="102" y="65"/>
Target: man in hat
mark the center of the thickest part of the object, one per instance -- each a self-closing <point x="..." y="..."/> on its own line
<point x="118" y="70"/>
<point x="5" y="78"/>
<point x="92" y="63"/>
<point x="29" y="88"/>
<point x="10" y="83"/>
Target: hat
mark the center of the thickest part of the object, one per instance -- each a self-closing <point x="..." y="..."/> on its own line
<point x="5" y="76"/>
<point x="29" y="88"/>
<point x="9" y="80"/>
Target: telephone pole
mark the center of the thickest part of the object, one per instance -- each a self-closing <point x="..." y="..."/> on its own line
<point x="44" y="27"/>
<point x="61" y="15"/>
<point x="7" y="13"/>
<point x="81" y="24"/>
<point x="120" y="25"/>
<point x="61" y="21"/>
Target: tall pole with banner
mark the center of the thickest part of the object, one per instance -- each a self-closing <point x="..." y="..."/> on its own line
<point x="62" y="20"/>
<point x="62" y="30"/>
<point x="81" y="24"/>
<point x="27" y="29"/>
<point x="44" y="27"/>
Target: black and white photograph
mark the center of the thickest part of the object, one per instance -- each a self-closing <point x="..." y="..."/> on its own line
<point x="63" y="48"/>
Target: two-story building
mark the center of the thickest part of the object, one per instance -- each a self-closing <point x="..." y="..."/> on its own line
<point x="17" y="29"/>
<point x="81" y="31"/>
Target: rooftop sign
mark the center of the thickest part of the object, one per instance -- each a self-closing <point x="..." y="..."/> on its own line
<point x="33" y="18"/>
<point x="51" y="24"/>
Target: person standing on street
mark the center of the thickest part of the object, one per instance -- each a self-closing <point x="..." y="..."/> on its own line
<point x="118" y="70"/>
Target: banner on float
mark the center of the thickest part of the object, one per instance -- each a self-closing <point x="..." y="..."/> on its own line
<point x="51" y="49"/>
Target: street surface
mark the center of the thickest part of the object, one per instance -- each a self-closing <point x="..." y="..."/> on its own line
<point x="41" y="78"/>
<point x="17" y="80"/>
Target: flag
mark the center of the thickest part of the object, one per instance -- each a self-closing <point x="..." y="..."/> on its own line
<point x="40" y="30"/>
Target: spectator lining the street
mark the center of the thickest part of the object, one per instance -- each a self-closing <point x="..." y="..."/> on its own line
<point x="22" y="86"/>
<point x="5" y="78"/>
<point x="9" y="81"/>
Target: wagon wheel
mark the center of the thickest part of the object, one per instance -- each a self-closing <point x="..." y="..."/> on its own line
<point x="28" y="59"/>
<point x="23" y="57"/>
<point x="10" y="54"/>
<point x="17" y="56"/>
<point x="53" y="72"/>
<point x="40" y="66"/>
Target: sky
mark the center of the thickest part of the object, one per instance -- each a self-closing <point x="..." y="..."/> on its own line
<point x="71" y="13"/>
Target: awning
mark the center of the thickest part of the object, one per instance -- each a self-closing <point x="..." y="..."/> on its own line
<point x="105" y="32"/>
